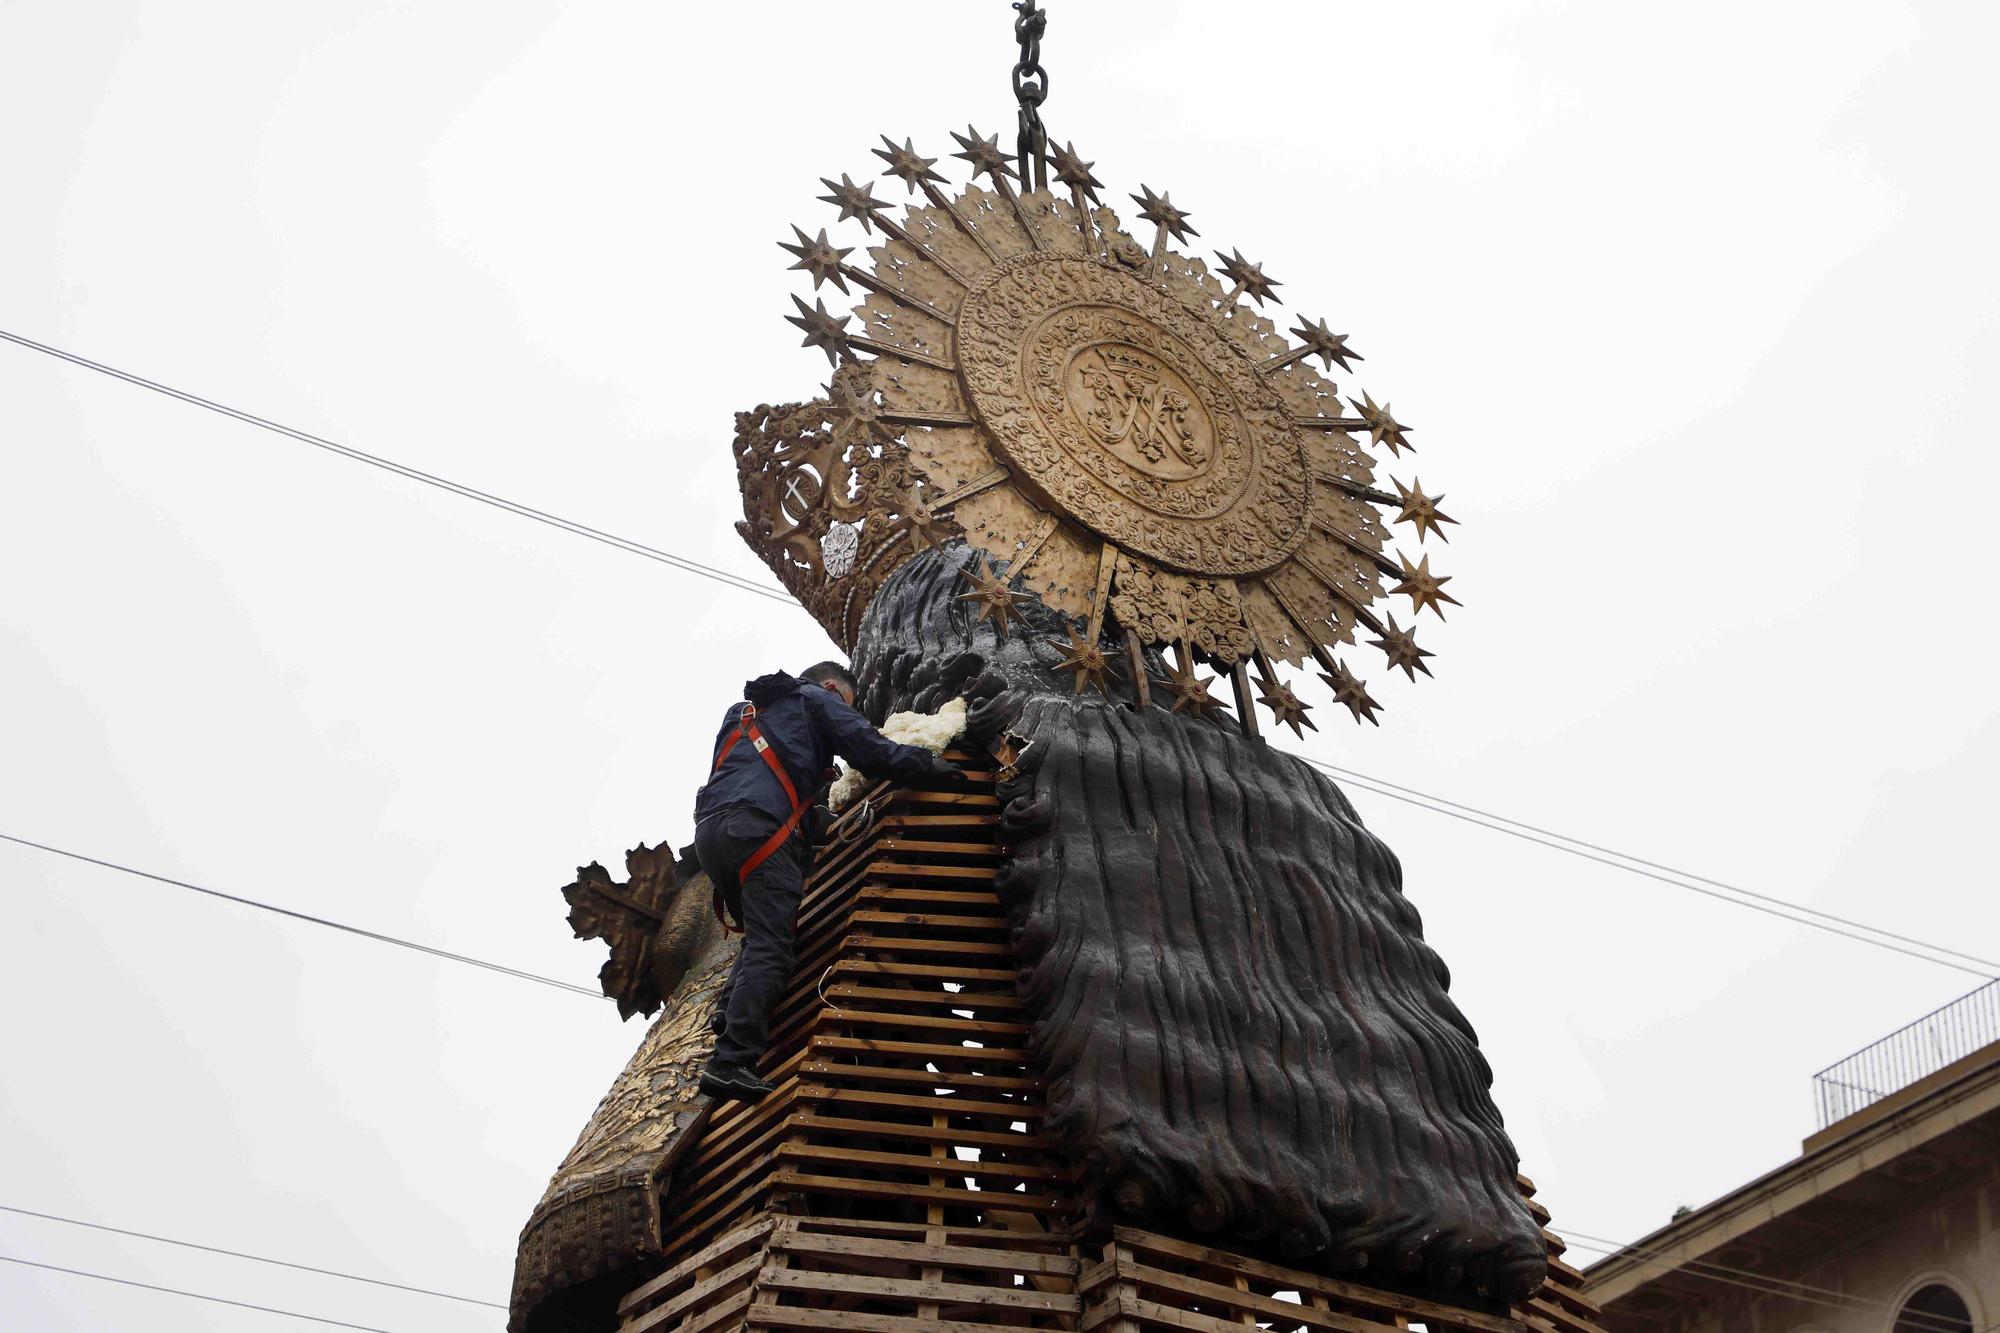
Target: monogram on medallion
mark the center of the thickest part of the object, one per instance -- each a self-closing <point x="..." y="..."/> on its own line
<point x="1133" y="415"/>
<point x="1133" y="404"/>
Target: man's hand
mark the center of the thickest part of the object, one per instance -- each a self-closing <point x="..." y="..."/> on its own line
<point x="944" y="770"/>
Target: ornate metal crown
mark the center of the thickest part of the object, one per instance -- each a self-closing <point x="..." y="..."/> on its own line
<point x="1113" y="425"/>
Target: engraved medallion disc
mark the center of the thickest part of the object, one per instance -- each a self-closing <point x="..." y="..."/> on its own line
<point x="1133" y="415"/>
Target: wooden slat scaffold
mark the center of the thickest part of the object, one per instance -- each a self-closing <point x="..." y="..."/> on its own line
<point x="899" y="1181"/>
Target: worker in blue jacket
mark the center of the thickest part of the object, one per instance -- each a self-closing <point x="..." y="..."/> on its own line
<point x="772" y="757"/>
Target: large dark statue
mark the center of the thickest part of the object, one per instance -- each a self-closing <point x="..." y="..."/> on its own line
<point x="1060" y="472"/>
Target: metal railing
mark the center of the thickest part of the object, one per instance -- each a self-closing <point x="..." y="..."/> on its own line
<point x="1909" y="1053"/>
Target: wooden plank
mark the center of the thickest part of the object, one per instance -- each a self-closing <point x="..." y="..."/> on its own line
<point x="900" y="893"/>
<point x="1561" y="1270"/>
<point x="991" y="1029"/>
<point x="1116" y="1311"/>
<point x="786" y="1178"/>
<point x="1054" y="1242"/>
<point x="709" y="1207"/>
<point x="956" y="1106"/>
<point x="905" y="818"/>
<point x="921" y="1050"/>
<point x="936" y="999"/>
<point x="959" y="1080"/>
<point x="871" y="967"/>
<point x="765" y="1113"/>
<point x="928" y="871"/>
<point x="724" y="1314"/>
<point x="906" y="1289"/>
<point x="1144" y="1277"/>
<point x="692" y="1186"/>
<point x="945" y="1256"/>
<point x="762" y="1294"/>
<point x="1571" y="1299"/>
<point x="1095" y="1276"/>
<point x="1408" y="1306"/>
<point x="723" y="1149"/>
<point x="892" y="944"/>
<point x="1556" y="1314"/>
<point x="962" y="800"/>
<point x="660" y="1316"/>
<point x="835" y="857"/>
<point x="851" y="1321"/>
<point x="889" y="1129"/>
<point x="928" y="920"/>
<point x="950" y="1166"/>
<point x="708" y="1255"/>
<point x="1152" y="1312"/>
<point x="903" y="842"/>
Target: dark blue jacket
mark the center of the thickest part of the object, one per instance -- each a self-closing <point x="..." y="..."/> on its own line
<point x="807" y="726"/>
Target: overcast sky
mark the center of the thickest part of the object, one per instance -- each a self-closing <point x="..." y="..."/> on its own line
<point x="1689" y="306"/>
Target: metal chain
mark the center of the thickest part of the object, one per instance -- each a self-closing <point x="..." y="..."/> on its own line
<point x="1031" y="89"/>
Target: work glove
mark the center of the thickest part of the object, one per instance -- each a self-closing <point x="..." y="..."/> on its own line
<point x="944" y="770"/>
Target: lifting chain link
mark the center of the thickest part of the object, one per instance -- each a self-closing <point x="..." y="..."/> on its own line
<point x="1031" y="89"/>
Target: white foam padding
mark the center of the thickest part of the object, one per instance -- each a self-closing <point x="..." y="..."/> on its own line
<point x="933" y="731"/>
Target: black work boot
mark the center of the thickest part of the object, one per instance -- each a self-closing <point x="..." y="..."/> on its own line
<point x="733" y="1082"/>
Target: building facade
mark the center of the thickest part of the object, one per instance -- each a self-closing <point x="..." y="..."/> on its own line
<point x="1888" y="1221"/>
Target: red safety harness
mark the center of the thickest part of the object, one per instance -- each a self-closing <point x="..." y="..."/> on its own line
<point x="746" y="728"/>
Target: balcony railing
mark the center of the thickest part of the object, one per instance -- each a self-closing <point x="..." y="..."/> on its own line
<point x="1908" y="1054"/>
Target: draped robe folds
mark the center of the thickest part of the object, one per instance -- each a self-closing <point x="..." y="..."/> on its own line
<point x="1244" y="1034"/>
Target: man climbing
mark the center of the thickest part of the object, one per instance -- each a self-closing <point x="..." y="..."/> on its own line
<point x="772" y="756"/>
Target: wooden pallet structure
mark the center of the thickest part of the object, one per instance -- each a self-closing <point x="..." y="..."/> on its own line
<point x="898" y="1180"/>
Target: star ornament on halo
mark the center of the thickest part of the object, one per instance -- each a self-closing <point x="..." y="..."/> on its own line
<point x="823" y="330"/>
<point x="1349" y="690"/>
<point x="1191" y="691"/>
<point x="819" y="257"/>
<point x="1084" y="656"/>
<point x="1074" y="172"/>
<point x="990" y="595"/>
<point x="850" y="410"/>
<point x="925" y="528"/>
<point x="853" y="201"/>
<point x="1248" y="277"/>
<point x="1424" y="587"/>
<point x="1325" y="344"/>
<point x="1159" y="210"/>
<point x="983" y="153"/>
<point x="1383" y="429"/>
<point x="1400" y="646"/>
<point x="1286" y="707"/>
<point x="908" y="165"/>
<point x="1422" y="510"/>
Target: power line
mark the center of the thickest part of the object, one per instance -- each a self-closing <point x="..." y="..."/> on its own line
<point x="1634" y="865"/>
<point x="194" y="1295"/>
<point x="679" y="562"/>
<point x="255" y="1258"/>
<point x="1809" y="916"/>
<point x="303" y="916"/>
<point x="1656" y="865"/>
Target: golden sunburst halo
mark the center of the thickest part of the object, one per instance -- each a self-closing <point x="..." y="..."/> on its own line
<point x="1104" y="416"/>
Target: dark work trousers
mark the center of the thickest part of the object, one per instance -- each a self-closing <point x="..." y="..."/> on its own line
<point x="723" y="842"/>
